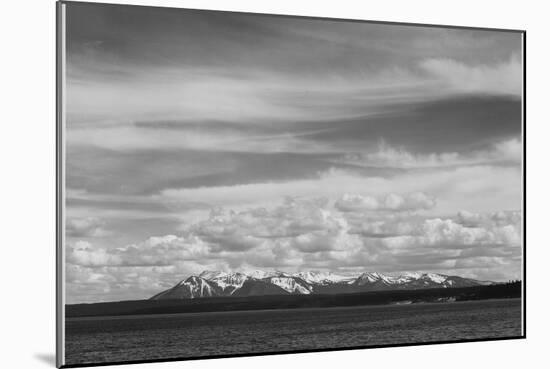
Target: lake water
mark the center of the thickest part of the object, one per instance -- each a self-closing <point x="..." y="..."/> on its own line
<point x="113" y="339"/>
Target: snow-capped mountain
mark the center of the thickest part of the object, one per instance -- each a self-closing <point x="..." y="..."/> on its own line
<point x="228" y="282"/>
<point x="368" y="278"/>
<point x="415" y="280"/>
<point x="291" y="284"/>
<point x="257" y="283"/>
<point x="322" y="278"/>
<point x="192" y="287"/>
<point x="261" y="274"/>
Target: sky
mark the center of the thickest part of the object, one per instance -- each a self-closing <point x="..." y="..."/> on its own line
<point x="199" y="140"/>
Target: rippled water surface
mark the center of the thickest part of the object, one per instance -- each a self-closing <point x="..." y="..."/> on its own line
<point x="113" y="339"/>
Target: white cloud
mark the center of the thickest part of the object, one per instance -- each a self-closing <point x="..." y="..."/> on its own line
<point x="469" y="219"/>
<point x="127" y="136"/>
<point x="392" y="202"/>
<point x="85" y="227"/>
<point x="302" y="234"/>
<point x="478" y="188"/>
<point x="155" y="251"/>
<point x="498" y="218"/>
<point x="437" y="232"/>
<point x="83" y="253"/>
<point x="111" y="283"/>
<point x="503" y="78"/>
<point x="243" y="95"/>
<point x="396" y="157"/>
<point x="295" y="218"/>
<point x="502" y="228"/>
<point x="508" y="150"/>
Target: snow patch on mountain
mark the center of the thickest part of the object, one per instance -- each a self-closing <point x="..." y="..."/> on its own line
<point x="197" y="287"/>
<point x="373" y="277"/>
<point x="291" y="284"/>
<point x="437" y="278"/>
<point x="407" y="276"/>
<point x="228" y="282"/>
<point x="322" y="278"/>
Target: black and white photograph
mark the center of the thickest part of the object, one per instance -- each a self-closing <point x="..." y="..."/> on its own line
<point x="237" y="184"/>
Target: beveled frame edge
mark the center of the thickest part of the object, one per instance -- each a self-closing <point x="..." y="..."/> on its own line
<point x="60" y="182"/>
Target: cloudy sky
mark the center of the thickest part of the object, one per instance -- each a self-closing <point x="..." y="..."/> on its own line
<point x="207" y="140"/>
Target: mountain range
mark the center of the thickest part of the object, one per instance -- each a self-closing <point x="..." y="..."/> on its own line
<point x="262" y="283"/>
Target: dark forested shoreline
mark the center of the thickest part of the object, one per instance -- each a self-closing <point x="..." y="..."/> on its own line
<point x="500" y="291"/>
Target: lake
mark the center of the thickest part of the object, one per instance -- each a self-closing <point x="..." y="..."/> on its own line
<point x="145" y="337"/>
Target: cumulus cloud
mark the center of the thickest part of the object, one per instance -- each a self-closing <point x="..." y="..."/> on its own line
<point x="83" y="253"/>
<point x="109" y="283"/>
<point x="492" y="219"/>
<point x="255" y="235"/>
<point x="468" y="229"/>
<point x="365" y="234"/>
<point x="478" y="188"/>
<point x="155" y="251"/>
<point x="387" y="155"/>
<point x="374" y="225"/>
<point x="308" y="222"/>
<point x="503" y="78"/>
<point x="392" y="202"/>
<point x="85" y="227"/>
<point x="446" y="231"/>
<point x="469" y="219"/>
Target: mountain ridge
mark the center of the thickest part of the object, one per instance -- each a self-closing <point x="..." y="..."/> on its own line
<point x="263" y="283"/>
